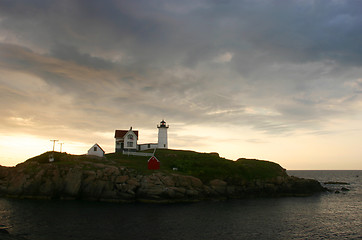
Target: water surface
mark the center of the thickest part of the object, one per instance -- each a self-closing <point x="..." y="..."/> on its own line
<point x="322" y="216"/>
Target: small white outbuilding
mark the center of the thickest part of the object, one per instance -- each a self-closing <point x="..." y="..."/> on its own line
<point x="96" y="150"/>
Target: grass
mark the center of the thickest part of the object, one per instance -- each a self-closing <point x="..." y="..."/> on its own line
<point x="206" y="166"/>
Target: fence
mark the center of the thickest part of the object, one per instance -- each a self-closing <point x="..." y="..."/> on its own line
<point x="137" y="153"/>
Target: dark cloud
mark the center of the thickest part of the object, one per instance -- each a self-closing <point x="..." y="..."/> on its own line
<point x="296" y="31"/>
<point x="274" y="65"/>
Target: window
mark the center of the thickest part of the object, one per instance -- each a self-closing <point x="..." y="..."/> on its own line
<point x="95" y="149"/>
<point x="129" y="144"/>
<point x="130" y="137"/>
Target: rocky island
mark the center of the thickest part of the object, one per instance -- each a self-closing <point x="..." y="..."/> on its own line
<point x="184" y="176"/>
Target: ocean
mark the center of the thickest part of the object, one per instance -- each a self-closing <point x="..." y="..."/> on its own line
<point x="323" y="216"/>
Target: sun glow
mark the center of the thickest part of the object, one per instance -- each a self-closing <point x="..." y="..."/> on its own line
<point x="18" y="148"/>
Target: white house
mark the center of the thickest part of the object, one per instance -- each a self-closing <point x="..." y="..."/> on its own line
<point x="96" y="150"/>
<point x="127" y="140"/>
<point x="145" y="146"/>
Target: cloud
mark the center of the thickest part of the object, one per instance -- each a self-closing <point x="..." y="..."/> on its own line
<point x="256" y="141"/>
<point x="188" y="33"/>
<point x="270" y="65"/>
<point x="72" y="54"/>
<point x="224" y="58"/>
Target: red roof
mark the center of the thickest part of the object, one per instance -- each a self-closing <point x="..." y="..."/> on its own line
<point x="121" y="133"/>
<point x="99" y="147"/>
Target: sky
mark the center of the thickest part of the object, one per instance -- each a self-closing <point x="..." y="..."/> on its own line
<point x="267" y="79"/>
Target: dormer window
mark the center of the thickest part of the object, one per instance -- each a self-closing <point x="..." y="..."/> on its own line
<point x="130" y="137"/>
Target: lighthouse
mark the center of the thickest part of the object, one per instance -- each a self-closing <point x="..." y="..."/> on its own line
<point x="162" y="135"/>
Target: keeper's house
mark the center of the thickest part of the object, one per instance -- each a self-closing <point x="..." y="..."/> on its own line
<point x="126" y="140"/>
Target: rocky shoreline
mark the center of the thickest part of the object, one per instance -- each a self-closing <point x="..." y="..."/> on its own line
<point x="104" y="182"/>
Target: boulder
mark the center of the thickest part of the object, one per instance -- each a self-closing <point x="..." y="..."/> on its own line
<point x="150" y="192"/>
<point x="94" y="189"/>
<point x="17" y="183"/>
<point x="133" y="183"/>
<point x="121" y="179"/>
<point x="168" y="181"/>
<point x="175" y="192"/>
<point x="195" y="182"/>
<point x="218" y="185"/>
<point x="192" y="193"/>
<point x="73" y="181"/>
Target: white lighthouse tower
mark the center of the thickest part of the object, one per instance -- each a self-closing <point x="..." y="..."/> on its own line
<point x="162" y="135"/>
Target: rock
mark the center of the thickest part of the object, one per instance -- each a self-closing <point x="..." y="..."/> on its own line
<point x="218" y="185"/>
<point x="133" y="183"/>
<point x="126" y="196"/>
<point x="180" y="191"/>
<point x="209" y="192"/>
<point x="108" y="195"/>
<point x="195" y="182"/>
<point x="4" y="171"/>
<point x="17" y="183"/>
<point x="94" y="189"/>
<point x="230" y="190"/>
<point x="270" y="187"/>
<point x="121" y="179"/>
<point x="170" y="192"/>
<point x="99" y="181"/>
<point x="73" y="181"/>
<point x="344" y="189"/>
<point x="186" y="181"/>
<point x="150" y="192"/>
<point x="181" y="181"/>
<point x="47" y="188"/>
<point x="89" y="178"/>
<point x="100" y="165"/>
<point x="153" y="179"/>
<point x="167" y="181"/>
<point x="175" y="192"/>
<point x="191" y="193"/>
<point x="279" y="180"/>
<point x="56" y="178"/>
<point x="300" y="186"/>
<point x="3" y="230"/>
<point x="339" y="183"/>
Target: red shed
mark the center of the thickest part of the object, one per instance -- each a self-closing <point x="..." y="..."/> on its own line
<point x="153" y="163"/>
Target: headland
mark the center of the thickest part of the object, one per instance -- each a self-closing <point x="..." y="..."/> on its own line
<point x="184" y="176"/>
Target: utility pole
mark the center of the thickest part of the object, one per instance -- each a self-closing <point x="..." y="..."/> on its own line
<point x="61" y="145"/>
<point x="54" y="143"/>
<point x="51" y="156"/>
